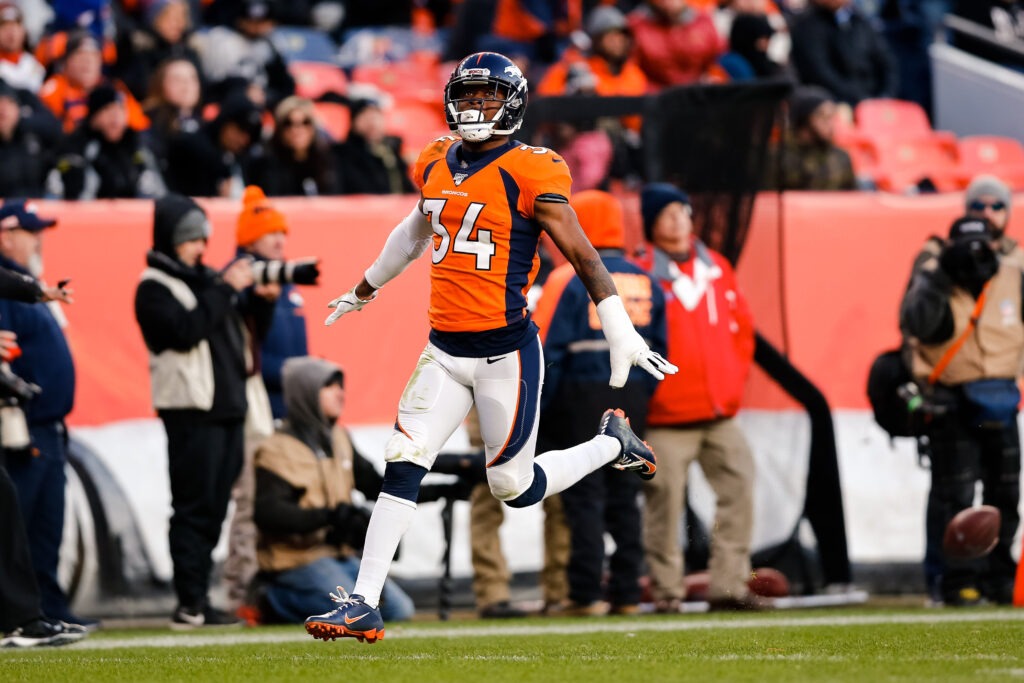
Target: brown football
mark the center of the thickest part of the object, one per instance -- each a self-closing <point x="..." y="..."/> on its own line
<point x="764" y="582"/>
<point x="973" y="533"/>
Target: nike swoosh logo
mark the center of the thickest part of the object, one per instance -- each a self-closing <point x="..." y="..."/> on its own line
<point x="352" y="621"/>
<point x="495" y="360"/>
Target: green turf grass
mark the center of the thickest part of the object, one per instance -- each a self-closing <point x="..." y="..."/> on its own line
<point x="790" y="646"/>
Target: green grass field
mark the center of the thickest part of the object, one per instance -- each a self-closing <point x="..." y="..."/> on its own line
<point x="812" y="645"/>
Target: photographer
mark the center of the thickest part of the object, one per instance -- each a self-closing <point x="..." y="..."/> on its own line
<point x="198" y="325"/>
<point x="262" y="233"/>
<point x="308" y="527"/>
<point x="962" y="318"/>
<point x="45" y="361"/>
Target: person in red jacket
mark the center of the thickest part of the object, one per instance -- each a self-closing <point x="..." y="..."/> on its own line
<point x="690" y="417"/>
<point x="674" y="43"/>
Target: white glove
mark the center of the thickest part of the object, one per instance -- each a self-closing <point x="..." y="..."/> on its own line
<point x="346" y="303"/>
<point x="627" y="346"/>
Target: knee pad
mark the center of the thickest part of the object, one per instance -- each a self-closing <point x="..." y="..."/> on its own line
<point x="401" y="448"/>
<point x="503" y="484"/>
<point x="533" y="494"/>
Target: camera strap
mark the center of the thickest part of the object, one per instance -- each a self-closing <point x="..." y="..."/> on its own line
<point x="947" y="357"/>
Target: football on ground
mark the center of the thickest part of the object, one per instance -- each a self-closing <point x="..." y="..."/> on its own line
<point x="973" y="533"/>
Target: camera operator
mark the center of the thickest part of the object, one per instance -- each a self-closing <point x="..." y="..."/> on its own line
<point x="191" y="319"/>
<point x="309" y="530"/>
<point x="962" y="319"/>
<point x="45" y="360"/>
<point x="22" y="622"/>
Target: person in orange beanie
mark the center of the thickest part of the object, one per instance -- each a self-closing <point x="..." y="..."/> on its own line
<point x="261" y="235"/>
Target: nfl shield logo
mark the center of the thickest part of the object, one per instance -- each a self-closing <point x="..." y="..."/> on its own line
<point x="459" y="177"/>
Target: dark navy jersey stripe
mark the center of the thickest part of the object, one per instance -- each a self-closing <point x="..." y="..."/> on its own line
<point x="487" y="343"/>
<point x="471" y="163"/>
<point x="522" y="247"/>
<point x="526" y="408"/>
<point x="427" y="170"/>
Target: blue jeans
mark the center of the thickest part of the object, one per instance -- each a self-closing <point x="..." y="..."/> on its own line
<point x="302" y="592"/>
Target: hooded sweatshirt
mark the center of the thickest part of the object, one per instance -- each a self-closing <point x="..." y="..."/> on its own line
<point x="217" y="317"/>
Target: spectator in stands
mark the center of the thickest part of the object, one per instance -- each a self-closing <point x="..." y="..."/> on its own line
<point x="18" y="68"/>
<point x="299" y="159"/>
<point x="538" y="30"/>
<point x="370" y="160"/>
<point x="163" y="35"/>
<point x="246" y="51"/>
<point x="810" y="158"/>
<point x="779" y="44"/>
<point x="674" y="44"/>
<point x="309" y="528"/>
<point x="747" y="57"/>
<point x="262" y="233"/>
<point x="971" y="378"/>
<point x="65" y="93"/>
<point x="22" y="148"/>
<point x="835" y="46"/>
<point x="173" y="104"/>
<point x="576" y="394"/>
<point x="711" y="339"/>
<point x="104" y="158"/>
<point x="607" y="61"/>
<point x="45" y="360"/>
<point x="191" y="318"/>
<point x="212" y="161"/>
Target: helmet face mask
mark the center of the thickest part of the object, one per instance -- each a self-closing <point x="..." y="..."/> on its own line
<point x="476" y="85"/>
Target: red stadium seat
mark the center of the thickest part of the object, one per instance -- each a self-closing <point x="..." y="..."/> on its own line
<point x="863" y="154"/>
<point x="904" y="163"/>
<point x="416" y="79"/>
<point x="1002" y="157"/>
<point x="417" y="123"/>
<point x="886" y="120"/>
<point x="333" y="118"/>
<point x="313" y="79"/>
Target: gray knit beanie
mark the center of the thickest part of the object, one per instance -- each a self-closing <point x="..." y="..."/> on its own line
<point x="987" y="185"/>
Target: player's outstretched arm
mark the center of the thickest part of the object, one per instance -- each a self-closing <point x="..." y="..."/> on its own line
<point x="405" y="244"/>
<point x="627" y="346"/>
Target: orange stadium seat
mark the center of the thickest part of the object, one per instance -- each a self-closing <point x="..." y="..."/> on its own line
<point x="1002" y="157"/>
<point x="904" y="163"/>
<point x="334" y="118"/>
<point x="416" y="123"/>
<point x="884" y="119"/>
<point x="417" y="79"/>
<point x="313" y="79"/>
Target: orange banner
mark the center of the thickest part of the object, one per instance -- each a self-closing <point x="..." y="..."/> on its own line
<point x="845" y="260"/>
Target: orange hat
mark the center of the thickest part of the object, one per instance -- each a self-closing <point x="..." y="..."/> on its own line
<point x="600" y="216"/>
<point x="258" y="217"/>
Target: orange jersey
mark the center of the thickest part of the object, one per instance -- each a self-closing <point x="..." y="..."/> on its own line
<point x="485" y="239"/>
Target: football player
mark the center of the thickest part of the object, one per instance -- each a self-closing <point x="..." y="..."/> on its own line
<point x="485" y="198"/>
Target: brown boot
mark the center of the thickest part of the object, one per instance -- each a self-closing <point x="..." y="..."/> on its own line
<point x="625" y="610"/>
<point x="593" y="609"/>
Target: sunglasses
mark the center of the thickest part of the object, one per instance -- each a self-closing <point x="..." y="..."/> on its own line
<point x="291" y="123"/>
<point x="981" y="206"/>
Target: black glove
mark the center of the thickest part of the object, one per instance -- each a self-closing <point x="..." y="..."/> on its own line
<point x="305" y="271"/>
<point x="340" y="517"/>
<point x="358" y="522"/>
<point x="970" y="263"/>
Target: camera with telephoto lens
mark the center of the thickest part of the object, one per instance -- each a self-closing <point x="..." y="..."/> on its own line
<point x="298" y="272"/>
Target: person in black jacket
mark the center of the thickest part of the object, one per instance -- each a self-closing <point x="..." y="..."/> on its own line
<point x="370" y="161"/>
<point x="22" y="148"/>
<point x="45" y="361"/>
<point x="162" y="35"/>
<point x="191" y="319"/>
<point x="210" y="162"/>
<point x="299" y="161"/>
<point x="835" y="46"/>
<point x="104" y="158"/>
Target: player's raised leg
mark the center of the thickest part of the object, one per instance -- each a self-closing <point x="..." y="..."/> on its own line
<point x="507" y="393"/>
<point x="433" y="405"/>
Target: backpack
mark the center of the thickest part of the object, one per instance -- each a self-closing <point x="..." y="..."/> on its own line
<point x="888" y="373"/>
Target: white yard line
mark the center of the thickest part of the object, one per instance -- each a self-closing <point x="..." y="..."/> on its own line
<point x="255" y="636"/>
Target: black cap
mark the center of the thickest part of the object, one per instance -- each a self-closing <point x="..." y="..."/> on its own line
<point x="256" y="9"/>
<point x="970" y="227"/>
<point x="241" y="111"/>
<point x="804" y="101"/>
<point x="101" y="96"/>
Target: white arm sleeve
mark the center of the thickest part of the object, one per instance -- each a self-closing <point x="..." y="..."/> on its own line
<point x="405" y="244"/>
